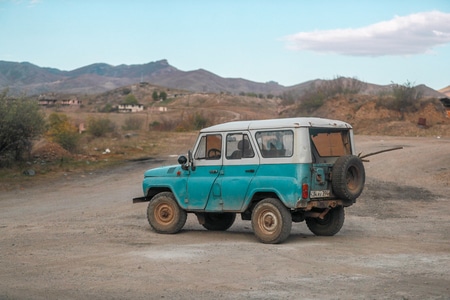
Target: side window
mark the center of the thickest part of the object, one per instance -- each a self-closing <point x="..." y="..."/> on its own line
<point x="275" y="143"/>
<point x="239" y="146"/>
<point x="210" y="147"/>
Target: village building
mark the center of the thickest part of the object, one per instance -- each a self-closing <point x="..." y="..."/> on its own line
<point x="130" y="108"/>
<point x="71" y="102"/>
<point x="47" y="100"/>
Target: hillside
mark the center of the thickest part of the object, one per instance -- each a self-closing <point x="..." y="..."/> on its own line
<point x="26" y="78"/>
<point x="100" y="77"/>
<point x="368" y="114"/>
<point x="445" y="91"/>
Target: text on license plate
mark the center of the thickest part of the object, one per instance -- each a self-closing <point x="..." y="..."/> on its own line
<point x="319" y="194"/>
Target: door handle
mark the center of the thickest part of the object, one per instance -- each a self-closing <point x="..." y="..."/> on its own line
<point x="213" y="172"/>
<point x="250" y="171"/>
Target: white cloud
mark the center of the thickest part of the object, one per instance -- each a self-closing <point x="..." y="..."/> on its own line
<point x="413" y="34"/>
<point x="33" y="3"/>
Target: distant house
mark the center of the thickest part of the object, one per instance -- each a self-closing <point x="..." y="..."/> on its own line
<point x="446" y="103"/>
<point x="71" y="102"/>
<point x="130" y="108"/>
<point x="156" y="109"/>
<point x="47" y="100"/>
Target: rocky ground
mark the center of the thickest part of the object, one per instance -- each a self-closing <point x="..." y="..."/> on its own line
<point x="80" y="237"/>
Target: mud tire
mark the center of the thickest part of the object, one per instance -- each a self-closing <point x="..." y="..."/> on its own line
<point x="348" y="177"/>
<point x="329" y="225"/>
<point x="165" y="215"/>
<point x="271" y="221"/>
<point x="218" y="221"/>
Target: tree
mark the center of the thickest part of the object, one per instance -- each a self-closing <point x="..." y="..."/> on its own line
<point x="20" y="122"/>
<point x="62" y="131"/>
<point x="163" y="95"/>
<point x="130" y="99"/>
<point x="155" y="96"/>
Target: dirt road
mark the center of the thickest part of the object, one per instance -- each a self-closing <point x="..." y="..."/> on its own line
<point x="82" y="238"/>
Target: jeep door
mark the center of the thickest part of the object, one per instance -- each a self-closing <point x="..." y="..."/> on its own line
<point x="208" y="164"/>
<point x="240" y="164"/>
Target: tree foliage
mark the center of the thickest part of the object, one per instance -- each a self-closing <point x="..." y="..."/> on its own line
<point x="161" y="96"/>
<point x="155" y="96"/>
<point x="20" y="122"/>
<point x="62" y="131"/>
<point x="130" y="99"/>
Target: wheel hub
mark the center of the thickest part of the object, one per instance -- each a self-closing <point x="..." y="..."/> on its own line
<point x="269" y="221"/>
<point x="164" y="214"/>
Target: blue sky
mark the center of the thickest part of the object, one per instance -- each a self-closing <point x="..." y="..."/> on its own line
<point x="289" y="42"/>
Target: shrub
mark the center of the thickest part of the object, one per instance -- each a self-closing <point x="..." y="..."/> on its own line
<point x="404" y="98"/>
<point x="108" y="108"/>
<point x="133" y="123"/>
<point x="99" y="127"/>
<point x="63" y="132"/>
<point x="20" y="122"/>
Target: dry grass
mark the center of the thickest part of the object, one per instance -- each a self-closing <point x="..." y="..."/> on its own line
<point x="122" y="145"/>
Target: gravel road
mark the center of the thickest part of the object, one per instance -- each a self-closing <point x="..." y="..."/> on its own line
<point x="81" y="237"/>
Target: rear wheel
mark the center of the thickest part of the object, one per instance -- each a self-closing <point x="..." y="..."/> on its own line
<point x="164" y="214"/>
<point x="331" y="223"/>
<point x="218" y="221"/>
<point x="271" y="221"/>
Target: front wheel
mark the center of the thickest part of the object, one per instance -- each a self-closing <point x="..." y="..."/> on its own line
<point x="164" y="214"/>
<point x="331" y="223"/>
<point x="271" y="221"/>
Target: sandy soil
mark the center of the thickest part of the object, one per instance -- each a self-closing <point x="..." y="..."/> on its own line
<point x="82" y="238"/>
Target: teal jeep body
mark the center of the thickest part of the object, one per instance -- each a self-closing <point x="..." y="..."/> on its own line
<point x="272" y="172"/>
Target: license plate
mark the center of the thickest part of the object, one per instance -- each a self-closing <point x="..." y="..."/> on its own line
<point x="320" y="194"/>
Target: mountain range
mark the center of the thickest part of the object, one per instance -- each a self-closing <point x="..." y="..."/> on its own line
<point x="29" y="79"/>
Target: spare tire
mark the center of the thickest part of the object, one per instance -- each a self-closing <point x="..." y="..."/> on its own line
<point x="348" y="177"/>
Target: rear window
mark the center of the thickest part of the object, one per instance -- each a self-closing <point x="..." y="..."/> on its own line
<point x="329" y="144"/>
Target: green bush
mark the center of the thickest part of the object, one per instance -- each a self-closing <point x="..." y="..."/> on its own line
<point x="20" y="122"/>
<point x="63" y="132"/>
<point x="108" y="108"/>
<point x="99" y="127"/>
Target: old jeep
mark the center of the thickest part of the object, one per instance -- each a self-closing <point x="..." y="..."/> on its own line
<point x="271" y="172"/>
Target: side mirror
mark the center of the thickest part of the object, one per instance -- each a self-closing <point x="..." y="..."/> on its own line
<point x="182" y="160"/>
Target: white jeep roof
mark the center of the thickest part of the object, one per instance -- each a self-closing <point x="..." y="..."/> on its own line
<point x="277" y="123"/>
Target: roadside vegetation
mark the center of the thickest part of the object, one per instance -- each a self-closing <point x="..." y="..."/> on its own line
<point x="52" y="140"/>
